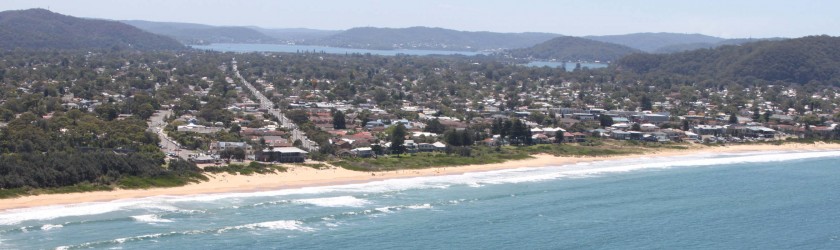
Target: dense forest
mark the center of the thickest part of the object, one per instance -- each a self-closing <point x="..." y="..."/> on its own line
<point x="802" y="60"/>
<point x="40" y="29"/>
<point x="569" y="48"/>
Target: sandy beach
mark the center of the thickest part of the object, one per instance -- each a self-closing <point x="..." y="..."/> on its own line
<point x="299" y="176"/>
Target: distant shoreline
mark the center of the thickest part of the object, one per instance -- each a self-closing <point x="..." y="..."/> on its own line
<point x="300" y="176"/>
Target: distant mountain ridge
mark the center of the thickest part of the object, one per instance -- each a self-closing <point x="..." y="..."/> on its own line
<point x="672" y="42"/>
<point x="430" y="38"/>
<point x="568" y="48"/>
<point x="799" y="60"/>
<point x="40" y="29"/>
<point x="190" y="33"/>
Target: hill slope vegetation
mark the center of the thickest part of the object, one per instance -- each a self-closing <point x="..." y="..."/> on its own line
<point x="42" y="29"/>
<point x="569" y="48"/>
<point x="801" y="60"/>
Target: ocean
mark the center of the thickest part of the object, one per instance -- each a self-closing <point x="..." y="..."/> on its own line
<point x="287" y="48"/>
<point x="766" y="200"/>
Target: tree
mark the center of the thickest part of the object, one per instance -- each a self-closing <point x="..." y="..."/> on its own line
<point x="685" y="125"/>
<point x="605" y="120"/>
<point x="398" y="139"/>
<point x="434" y="126"/>
<point x="298" y="116"/>
<point x="339" y="121"/>
<point x="558" y="136"/>
<point x="645" y="103"/>
<point x="636" y="127"/>
<point x="733" y="119"/>
<point x="235" y="129"/>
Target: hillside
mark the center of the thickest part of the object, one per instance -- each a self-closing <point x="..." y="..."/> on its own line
<point x="694" y="46"/>
<point x="651" y="42"/>
<point x="189" y="33"/>
<point x="569" y="48"/>
<point x="431" y="38"/>
<point x="39" y="29"/>
<point x="801" y="60"/>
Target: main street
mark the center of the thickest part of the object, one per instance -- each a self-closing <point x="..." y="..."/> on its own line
<point x="167" y="145"/>
<point x="269" y="106"/>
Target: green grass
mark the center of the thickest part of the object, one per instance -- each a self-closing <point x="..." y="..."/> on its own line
<point x="580" y="150"/>
<point x="479" y="155"/>
<point x="488" y="155"/>
<point x="319" y="166"/>
<point x="252" y="168"/>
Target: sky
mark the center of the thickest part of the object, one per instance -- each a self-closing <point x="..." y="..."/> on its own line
<point x="723" y="18"/>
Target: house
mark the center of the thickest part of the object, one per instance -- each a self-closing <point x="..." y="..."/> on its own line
<point x="217" y="147"/>
<point x="655" y="118"/>
<point x="203" y="159"/>
<point x="648" y="127"/>
<point x="626" y="135"/>
<point x="363" y="152"/>
<point x="282" y="154"/>
<point x="201" y="129"/>
<point x="584" y="116"/>
<point x="568" y="137"/>
<point x="425" y="147"/>
<point x="540" y="139"/>
<point x="714" y="130"/>
<point x="410" y="146"/>
<point x="579" y="137"/>
<point x="374" y="124"/>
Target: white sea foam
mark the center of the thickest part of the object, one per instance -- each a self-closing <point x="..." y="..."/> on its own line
<point x="341" y="201"/>
<point x="150" y="218"/>
<point x="272" y="225"/>
<point x="421" y="206"/>
<point x="581" y="170"/>
<point x="48" y="227"/>
<point x="16" y="216"/>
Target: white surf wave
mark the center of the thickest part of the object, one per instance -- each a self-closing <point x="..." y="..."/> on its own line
<point x="581" y="170"/>
<point x="15" y="216"/>
<point x="292" y="225"/>
<point x="341" y="201"/>
<point x="48" y="227"/>
<point x="150" y="218"/>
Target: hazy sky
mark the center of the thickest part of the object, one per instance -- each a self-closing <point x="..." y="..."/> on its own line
<point x="725" y="18"/>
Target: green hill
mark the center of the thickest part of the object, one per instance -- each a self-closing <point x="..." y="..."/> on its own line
<point x="42" y="29"/>
<point x="801" y="60"/>
<point x="569" y="48"/>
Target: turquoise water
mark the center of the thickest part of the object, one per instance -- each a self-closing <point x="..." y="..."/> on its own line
<point x="570" y="66"/>
<point x="244" y="48"/>
<point x="770" y="200"/>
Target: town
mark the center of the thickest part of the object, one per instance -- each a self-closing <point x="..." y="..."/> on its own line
<point x="247" y="111"/>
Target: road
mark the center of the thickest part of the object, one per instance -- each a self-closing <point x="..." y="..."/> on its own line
<point x="156" y="125"/>
<point x="268" y="105"/>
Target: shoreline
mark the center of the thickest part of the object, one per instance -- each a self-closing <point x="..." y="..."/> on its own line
<point x="300" y="176"/>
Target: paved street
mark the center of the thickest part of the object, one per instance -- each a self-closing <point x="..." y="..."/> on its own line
<point x="156" y="124"/>
<point x="285" y="122"/>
